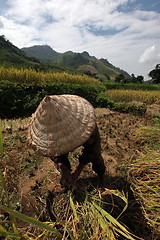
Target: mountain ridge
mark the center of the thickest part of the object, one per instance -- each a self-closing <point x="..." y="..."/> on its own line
<point x="74" y="63"/>
<point x="12" y="56"/>
<point x="89" y="65"/>
<point x="42" y="52"/>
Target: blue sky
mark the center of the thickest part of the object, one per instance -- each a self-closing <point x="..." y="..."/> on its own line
<point x="126" y="32"/>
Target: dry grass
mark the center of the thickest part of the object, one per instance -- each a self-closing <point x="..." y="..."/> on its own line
<point x="144" y="174"/>
<point x="149" y="135"/>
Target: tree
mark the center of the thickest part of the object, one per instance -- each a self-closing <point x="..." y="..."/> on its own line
<point x="140" y="79"/>
<point x="120" y="78"/>
<point x="155" y="74"/>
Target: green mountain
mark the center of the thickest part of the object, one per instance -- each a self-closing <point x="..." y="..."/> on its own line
<point x="44" y="53"/>
<point x="10" y="56"/>
<point x="99" y="68"/>
<point x="78" y="62"/>
<point x="46" y="59"/>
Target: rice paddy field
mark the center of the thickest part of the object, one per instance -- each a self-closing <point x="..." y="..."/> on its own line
<point x="34" y="77"/>
<point x="32" y="205"/>
<point x="142" y="96"/>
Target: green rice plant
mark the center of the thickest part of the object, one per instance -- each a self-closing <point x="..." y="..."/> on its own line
<point x="146" y="97"/>
<point x="132" y="86"/>
<point x="130" y="107"/>
<point x="124" y="107"/>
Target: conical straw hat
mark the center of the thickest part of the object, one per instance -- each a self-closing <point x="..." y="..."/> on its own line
<point x="60" y="124"/>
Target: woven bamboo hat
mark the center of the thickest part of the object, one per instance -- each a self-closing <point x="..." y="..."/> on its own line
<point x="60" y="124"/>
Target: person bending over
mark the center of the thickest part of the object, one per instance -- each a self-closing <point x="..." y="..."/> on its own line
<point x="60" y="124"/>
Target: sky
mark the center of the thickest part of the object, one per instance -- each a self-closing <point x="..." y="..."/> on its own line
<point x="125" y="32"/>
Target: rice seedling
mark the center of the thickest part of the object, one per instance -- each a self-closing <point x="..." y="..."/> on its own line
<point x="146" y="97"/>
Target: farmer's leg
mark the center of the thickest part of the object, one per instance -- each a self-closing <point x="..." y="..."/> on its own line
<point x="97" y="160"/>
<point x="91" y="153"/>
<point x="97" y="165"/>
<point x="99" y="168"/>
<point x="85" y="157"/>
<point x="80" y="167"/>
<point x="64" y="166"/>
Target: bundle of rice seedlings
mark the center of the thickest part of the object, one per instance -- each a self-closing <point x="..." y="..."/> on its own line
<point x="149" y="135"/>
<point x="83" y="216"/>
<point x="144" y="175"/>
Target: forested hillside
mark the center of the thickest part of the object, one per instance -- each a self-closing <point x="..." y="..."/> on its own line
<point x="10" y="55"/>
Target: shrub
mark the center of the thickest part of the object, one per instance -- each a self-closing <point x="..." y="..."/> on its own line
<point x="132" y="86"/>
<point x="104" y="102"/>
<point x="21" y="99"/>
<point x="130" y="108"/>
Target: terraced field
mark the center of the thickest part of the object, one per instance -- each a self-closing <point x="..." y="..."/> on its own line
<point x="30" y="177"/>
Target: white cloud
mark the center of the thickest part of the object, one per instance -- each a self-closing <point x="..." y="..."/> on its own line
<point x="73" y="25"/>
<point x="1" y="24"/>
<point x="150" y="55"/>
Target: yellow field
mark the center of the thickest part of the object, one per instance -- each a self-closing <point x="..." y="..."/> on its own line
<point x="31" y="76"/>
<point x="147" y="97"/>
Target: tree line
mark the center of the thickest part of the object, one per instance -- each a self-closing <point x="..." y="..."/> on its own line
<point x="154" y="74"/>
